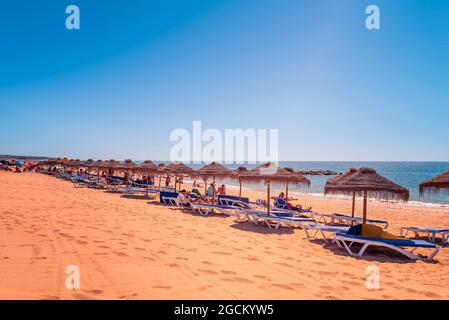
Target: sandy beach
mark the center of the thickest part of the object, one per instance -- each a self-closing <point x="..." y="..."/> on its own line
<point x="138" y="249"/>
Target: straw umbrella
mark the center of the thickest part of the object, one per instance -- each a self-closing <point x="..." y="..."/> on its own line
<point x="238" y="172"/>
<point x="340" y="177"/>
<point x="179" y="168"/>
<point x="269" y="172"/>
<point x="299" y="175"/>
<point x="368" y="182"/>
<point x="214" y="170"/>
<point x="97" y="164"/>
<point x="162" y="170"/>
<point x="436" y="184"/>
<point x="148" y="166"/>
<point x="128" y="166"/>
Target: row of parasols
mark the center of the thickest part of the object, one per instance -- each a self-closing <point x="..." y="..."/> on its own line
<point x="362" y="182"/>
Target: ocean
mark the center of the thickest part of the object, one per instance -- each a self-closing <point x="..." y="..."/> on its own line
<point x="407" y="174"/>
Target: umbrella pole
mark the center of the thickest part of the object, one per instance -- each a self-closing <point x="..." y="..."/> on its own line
<point x="146" y="191"/>
<point x="268" y="197"/>
<point x="286" y="192"/>
<point x="176" y="181"/>
<point x="213" y="192"/>
<point x="160" y="177"/>
<point x="205" y="186"/>
<point x="240" y="190"/>
<point x="365" y="200"/>
<point x="353" y="207"/>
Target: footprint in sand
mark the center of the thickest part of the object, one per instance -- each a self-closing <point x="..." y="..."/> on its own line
<point x="222" y="253"/>
<point x="227" y="272"/>
<point x="207" y="271"/>
<point x="121" y="254"/>
<point x="261" y="276"/>
<point x="283" y="286"/>
<point x="128" y="296"/>
<point x="162" y="287"/>
<point x="181" y="258"/>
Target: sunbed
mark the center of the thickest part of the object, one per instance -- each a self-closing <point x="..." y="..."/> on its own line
<point x="431" y="233"/>
<point x="206" y="208"/>
<point x="338" y="218"/>
<point x="282" y="204"/>
<point x="274" y="220"/>
<point x="313" y="229"/>
<point x="130" y="190"/>
<point x="382" y="239"/>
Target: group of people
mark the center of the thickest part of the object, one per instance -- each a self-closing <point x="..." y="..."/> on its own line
<point x="185" y="198"/>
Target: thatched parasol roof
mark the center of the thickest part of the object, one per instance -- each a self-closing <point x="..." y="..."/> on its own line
<point x="239" y="171"/>
<point x="340" y="177"/>
<point x="96" y="164"/>
<point x="87" y="163"/>
<point x="273" y="173"/>
<point x="214" y="169"/>
<point x="126" y="165"/>
<point x="367" y="179"/>
<point x="73" y="163"/>
<point x="436" y="184"/>
<point x="148" y="165"/>
<point x="179" y="168"/>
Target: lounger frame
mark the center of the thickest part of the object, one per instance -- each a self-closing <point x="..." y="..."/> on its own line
<point x="346" y="242"/>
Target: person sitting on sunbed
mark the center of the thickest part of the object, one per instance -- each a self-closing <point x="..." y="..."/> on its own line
<point x="221" y="189"/>
<point x="183" y="198"/>
<point x="211" y="190"/>
<point x="196" y="191"/>
<point x="290" y="206"/>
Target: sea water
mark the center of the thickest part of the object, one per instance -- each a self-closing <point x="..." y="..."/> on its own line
<point x="407" y="174"/>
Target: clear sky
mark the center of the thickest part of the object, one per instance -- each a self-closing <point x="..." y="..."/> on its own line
<point x="138" y="69"/>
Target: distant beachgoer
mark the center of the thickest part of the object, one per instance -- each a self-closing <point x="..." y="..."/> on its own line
<point x="289" y="205"/>
<point x="211" y="190"/>
<point x="196" y="191"/>
<point x="183" y="198"/>
<point x="221" y="189"/>
<point x="167" y="181"/>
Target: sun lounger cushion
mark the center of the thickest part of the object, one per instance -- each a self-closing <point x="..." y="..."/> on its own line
<point x="168" y="195"/>
<point x="397" y="242"/>
<point x="371" y="231"/>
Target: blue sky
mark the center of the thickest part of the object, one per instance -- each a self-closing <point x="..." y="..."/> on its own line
<point x="136" y="70"/>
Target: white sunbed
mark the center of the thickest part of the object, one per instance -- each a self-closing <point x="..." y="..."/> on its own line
<point x="313" y="229"/>
<point x="171" y="201"/>
<point x="431" y="233"/>
<point x="337" y="218"/>
<point x="205" y="209"/>
<point x="346" y="241"/>
<point x="130" y="190"/>
<point x="273" y="221"/>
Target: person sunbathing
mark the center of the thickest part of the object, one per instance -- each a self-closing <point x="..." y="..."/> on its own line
<point x="290" y="206"/>
<point x="221" y="189"/>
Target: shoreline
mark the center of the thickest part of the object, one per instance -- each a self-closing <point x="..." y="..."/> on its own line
<point x="297" y="193"/>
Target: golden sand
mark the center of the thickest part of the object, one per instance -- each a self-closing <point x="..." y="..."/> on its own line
<point x="138" y="249"/>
